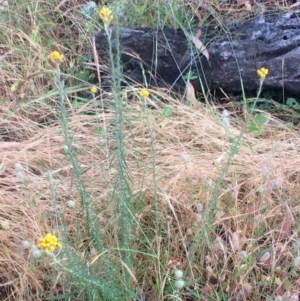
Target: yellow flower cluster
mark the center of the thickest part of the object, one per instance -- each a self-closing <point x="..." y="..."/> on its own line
<point x="106" y="15"/>
<point x="262" y="72"/>
<point x="49" y="243"/>
<point x="94" y="90"/>
<point x="144" y="93"/>
<point x="56" y="57"/>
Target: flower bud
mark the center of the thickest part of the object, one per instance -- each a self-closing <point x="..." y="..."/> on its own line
<point x="20" y="176"/>
<point x="179" y="284"/>
<point x="5" y="225"/>
<point x="297" y="261"/>
<point x="71" y="204"/>
<point x="18" y="167"/>
<point x="178" y="274"/>
<point x="26" y="244"/>
<point x="36" y="253"/>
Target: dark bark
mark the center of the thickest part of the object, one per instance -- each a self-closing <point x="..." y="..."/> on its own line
<point x="164" y="56"/>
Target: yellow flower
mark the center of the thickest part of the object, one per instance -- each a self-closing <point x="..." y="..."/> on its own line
<point x="262" y="72"/>
<point x="144" y="93"/>
<point x="106" y="15"/>
<point x="56" y="57"/>
<point x="49" y="243"/>
<point x="94" y="90"/>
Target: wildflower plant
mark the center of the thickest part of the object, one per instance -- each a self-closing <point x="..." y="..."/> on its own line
<point x="122" y="181"/>
<point x="96" y="285"/>
<point x="235" y="145"/>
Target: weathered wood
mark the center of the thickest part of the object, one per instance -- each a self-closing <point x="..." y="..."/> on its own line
<point x="164" y="56"/>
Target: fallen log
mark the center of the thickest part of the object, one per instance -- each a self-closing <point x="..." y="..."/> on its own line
<point x="165" y="57"/>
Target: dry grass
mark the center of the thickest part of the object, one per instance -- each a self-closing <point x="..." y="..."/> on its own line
<point x="190" y="150"/>
<point x="187" y="201"/>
